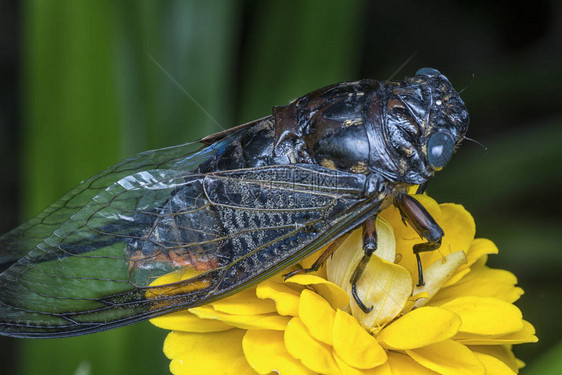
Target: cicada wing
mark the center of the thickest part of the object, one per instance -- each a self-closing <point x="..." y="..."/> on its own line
<point x="231" y="229"/>
<point x="16" y="243"/>
<point x="90" y="258"/>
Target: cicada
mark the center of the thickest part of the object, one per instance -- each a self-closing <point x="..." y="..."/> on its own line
<point x="235" y="207"/>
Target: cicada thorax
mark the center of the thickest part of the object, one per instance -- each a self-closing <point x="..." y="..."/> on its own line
<point x="386" y="128"/>
<point x="326" y="127"/>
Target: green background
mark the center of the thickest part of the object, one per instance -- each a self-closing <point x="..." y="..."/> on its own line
<point x="88" y="83"/>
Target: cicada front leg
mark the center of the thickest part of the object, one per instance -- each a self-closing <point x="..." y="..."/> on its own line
<point x="423" y="223"/>
<point x="421" y="188"/>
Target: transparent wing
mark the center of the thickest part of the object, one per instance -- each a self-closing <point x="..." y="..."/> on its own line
<point x="16" y="243"/>
<point x="231" y="228"/>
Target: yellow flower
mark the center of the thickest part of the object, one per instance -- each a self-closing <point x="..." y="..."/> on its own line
<point x="462" y="321"/>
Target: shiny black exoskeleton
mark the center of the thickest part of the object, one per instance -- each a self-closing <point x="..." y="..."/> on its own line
<point x="232" y="209"/>
<point x="403" y="131"/>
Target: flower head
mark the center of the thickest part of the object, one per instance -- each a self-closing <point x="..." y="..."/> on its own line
<point x="462" y="321"/>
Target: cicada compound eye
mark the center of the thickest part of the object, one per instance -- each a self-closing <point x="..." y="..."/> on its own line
<point x="430" y="72"/>
<point x="439" y="150"/>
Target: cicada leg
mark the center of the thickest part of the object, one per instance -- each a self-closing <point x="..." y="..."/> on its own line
<point x="421" y="188"/>
<point x="321" y="259"/>
<point x="424" y="224"/>
<point x="369" y="247"/>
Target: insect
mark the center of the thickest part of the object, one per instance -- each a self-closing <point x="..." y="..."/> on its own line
<point x="235" y="207"/>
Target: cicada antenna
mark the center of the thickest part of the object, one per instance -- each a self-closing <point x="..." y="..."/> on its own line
<point x="478" y="143"/>
<point x="402" y="66"/>
<point x="468" y="84"/>
<point x="182" y="89"/>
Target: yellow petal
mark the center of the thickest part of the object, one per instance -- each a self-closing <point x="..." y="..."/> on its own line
<point x="336" y="296"/>
<point x="196" y="353"/>
<point x="354" y="345"/>
<point x="526" y="334"/>
<point x="175" y="276"/>
<point x="484" y="282"/>
<point x="345" y="256"/>
<point x="416" y="300"/>
<point x="241" y="367"/>
<point x="313" y="354"/>
<point x="486" y="315"/>
<point x="501" y="353"/>
<point x="170" y="283"/>
<point x="309" y="260"/>
<point x="459" y="228"/>
<point x="386" y="243"/>
<point x="437" y="274"/>
<point x="317" y="315"/>
<point x="480" y="262"/>
<point x="494" y="365"/>
<point x="266" y="352"/>
<point x="420" y="327"/>
<point x="187" y="322"/>
<point x="265" y="321"/>
<point x="402" y="364"/>
<point x="386" y="287"/>
<point x="346" y="369"/>
<point x="462" y="271"/>
<point x="448" y="357"/>
<point x="285" y="297"/>
<point x="479" y="248"/>
<point x="244" y="303"/>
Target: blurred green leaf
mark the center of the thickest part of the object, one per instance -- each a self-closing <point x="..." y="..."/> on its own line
<point x="290" y="52"/>
<point x="71" y="120"/>
<point x="550" y="363"/>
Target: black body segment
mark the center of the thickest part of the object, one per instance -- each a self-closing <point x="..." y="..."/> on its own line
<point x="233" y="209"/>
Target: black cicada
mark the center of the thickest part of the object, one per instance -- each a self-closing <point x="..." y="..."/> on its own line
<point x="237" y="207"/>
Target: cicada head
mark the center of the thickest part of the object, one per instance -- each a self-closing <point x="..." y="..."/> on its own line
<point x="414" y="126"/>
